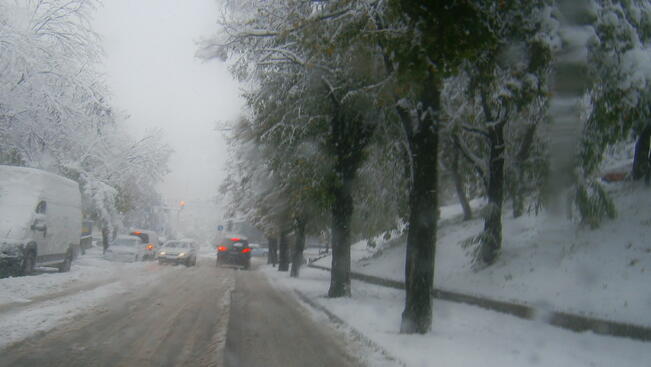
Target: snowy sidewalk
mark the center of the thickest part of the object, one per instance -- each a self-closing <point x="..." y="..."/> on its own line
<point x="462" y="335"/>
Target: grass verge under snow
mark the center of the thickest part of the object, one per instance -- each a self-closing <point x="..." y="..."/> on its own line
<point x="547" y="261"/>
<point x="463" y="335"/>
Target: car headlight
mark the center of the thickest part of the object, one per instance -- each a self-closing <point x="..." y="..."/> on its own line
<point x="182" y="254"/>
<point x="162" y="253"/>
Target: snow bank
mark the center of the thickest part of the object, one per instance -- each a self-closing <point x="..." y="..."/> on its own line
<point x="463" y="335"/>
<point x="547" y="262"/>
<point x="86" y="269"/>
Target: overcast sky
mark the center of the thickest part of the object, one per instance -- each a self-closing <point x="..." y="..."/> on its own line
<point x="154" y="76"/>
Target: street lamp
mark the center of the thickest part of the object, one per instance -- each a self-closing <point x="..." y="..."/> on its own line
<point x="178" y="214"/>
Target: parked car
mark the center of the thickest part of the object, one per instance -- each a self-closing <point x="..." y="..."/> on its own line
<point x="234" y="251"/>
<point x="126" y="248"/>
<point x="40" y="220"/>
<point x="150" y="239"/>
<point x="179" y="252"/>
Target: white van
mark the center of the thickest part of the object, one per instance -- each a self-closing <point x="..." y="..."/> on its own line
<point x="126" y="248"/>
<point x="40" y="219"/>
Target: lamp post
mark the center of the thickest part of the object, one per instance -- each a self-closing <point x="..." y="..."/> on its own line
<point x="178" y="214"/>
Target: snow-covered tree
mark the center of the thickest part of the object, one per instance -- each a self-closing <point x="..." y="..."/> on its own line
<point x="505" y="92"/>
<point x="619" y="60"/>
<point x="54" y="111"/>
<point x="323" y="73"/>
<point x="434" y="39"/>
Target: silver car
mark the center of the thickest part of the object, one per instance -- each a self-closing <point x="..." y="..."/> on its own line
<point x="178" y="252"/>
<point x="126" y="248"/>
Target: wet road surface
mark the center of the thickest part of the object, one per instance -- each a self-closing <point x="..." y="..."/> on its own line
<point x="268" y="328"/>
<point x="175" y="321"/>
<point x="182" y="319"/>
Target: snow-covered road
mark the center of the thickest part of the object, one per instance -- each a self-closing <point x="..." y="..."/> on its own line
<point x="33" y="304"/>
<point x="268" y="328"/>
<point x="134" y="314"/>
<point x="143" y="314"/>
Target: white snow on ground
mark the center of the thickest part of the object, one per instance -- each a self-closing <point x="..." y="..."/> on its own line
<point x="463" y="335"/>
<point x="21" y="323"/>
<point x="87" y="268"/>
<point x="546" y="261"/>
<point x="207" y="251"/>
<point x="37" y="303"/>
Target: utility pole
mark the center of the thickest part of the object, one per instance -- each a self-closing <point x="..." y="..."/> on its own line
<point x="178" y="215"/>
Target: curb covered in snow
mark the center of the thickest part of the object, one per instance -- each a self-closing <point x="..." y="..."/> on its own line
<point x="358" y="335"/>
<point x="560" y="319"/>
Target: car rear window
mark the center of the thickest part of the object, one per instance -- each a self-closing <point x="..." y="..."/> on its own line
<point x="143" y="236"/>
<point x="125" y="242"/>
<point x="230" y="242"/>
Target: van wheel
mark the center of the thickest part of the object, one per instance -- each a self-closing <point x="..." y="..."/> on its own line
<point x="67" y="263"/>
<point x="29" y="260"/>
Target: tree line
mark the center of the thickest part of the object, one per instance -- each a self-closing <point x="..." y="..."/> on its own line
<point x="362" y="115"/>
<point x="55" y="113"/>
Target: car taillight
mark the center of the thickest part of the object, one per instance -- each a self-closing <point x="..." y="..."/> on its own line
<point x="221" y="248"/>
<point x="150" y="247"/>
<point x="235" y="239"/>
<point x="248" y="249"/>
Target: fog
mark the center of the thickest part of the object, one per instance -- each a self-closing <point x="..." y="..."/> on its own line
<point x="155" y="79"/>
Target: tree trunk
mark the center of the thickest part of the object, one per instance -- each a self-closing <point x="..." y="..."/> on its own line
<point x="459" y="187"/>
<point x="272" y="255"/>
<point x="516" y="190"/>
<point x="641" y="159"/>
<point x="492" y="236"/>
<point x="421" y="235"/>
<point x="299" y="246"/>
<point x="283" y="253"/>
<point x="517" y="193"/>
<point x="518" y="201"/>
<point x="105" y="238"/>
<point x="349" y="138"/>
<point x="518" y="187"/>
<point x="349" y="134"/>
<point x="342" y="213"/>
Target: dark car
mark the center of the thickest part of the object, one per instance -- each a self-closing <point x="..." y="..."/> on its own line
<point x="234" y="251"/>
